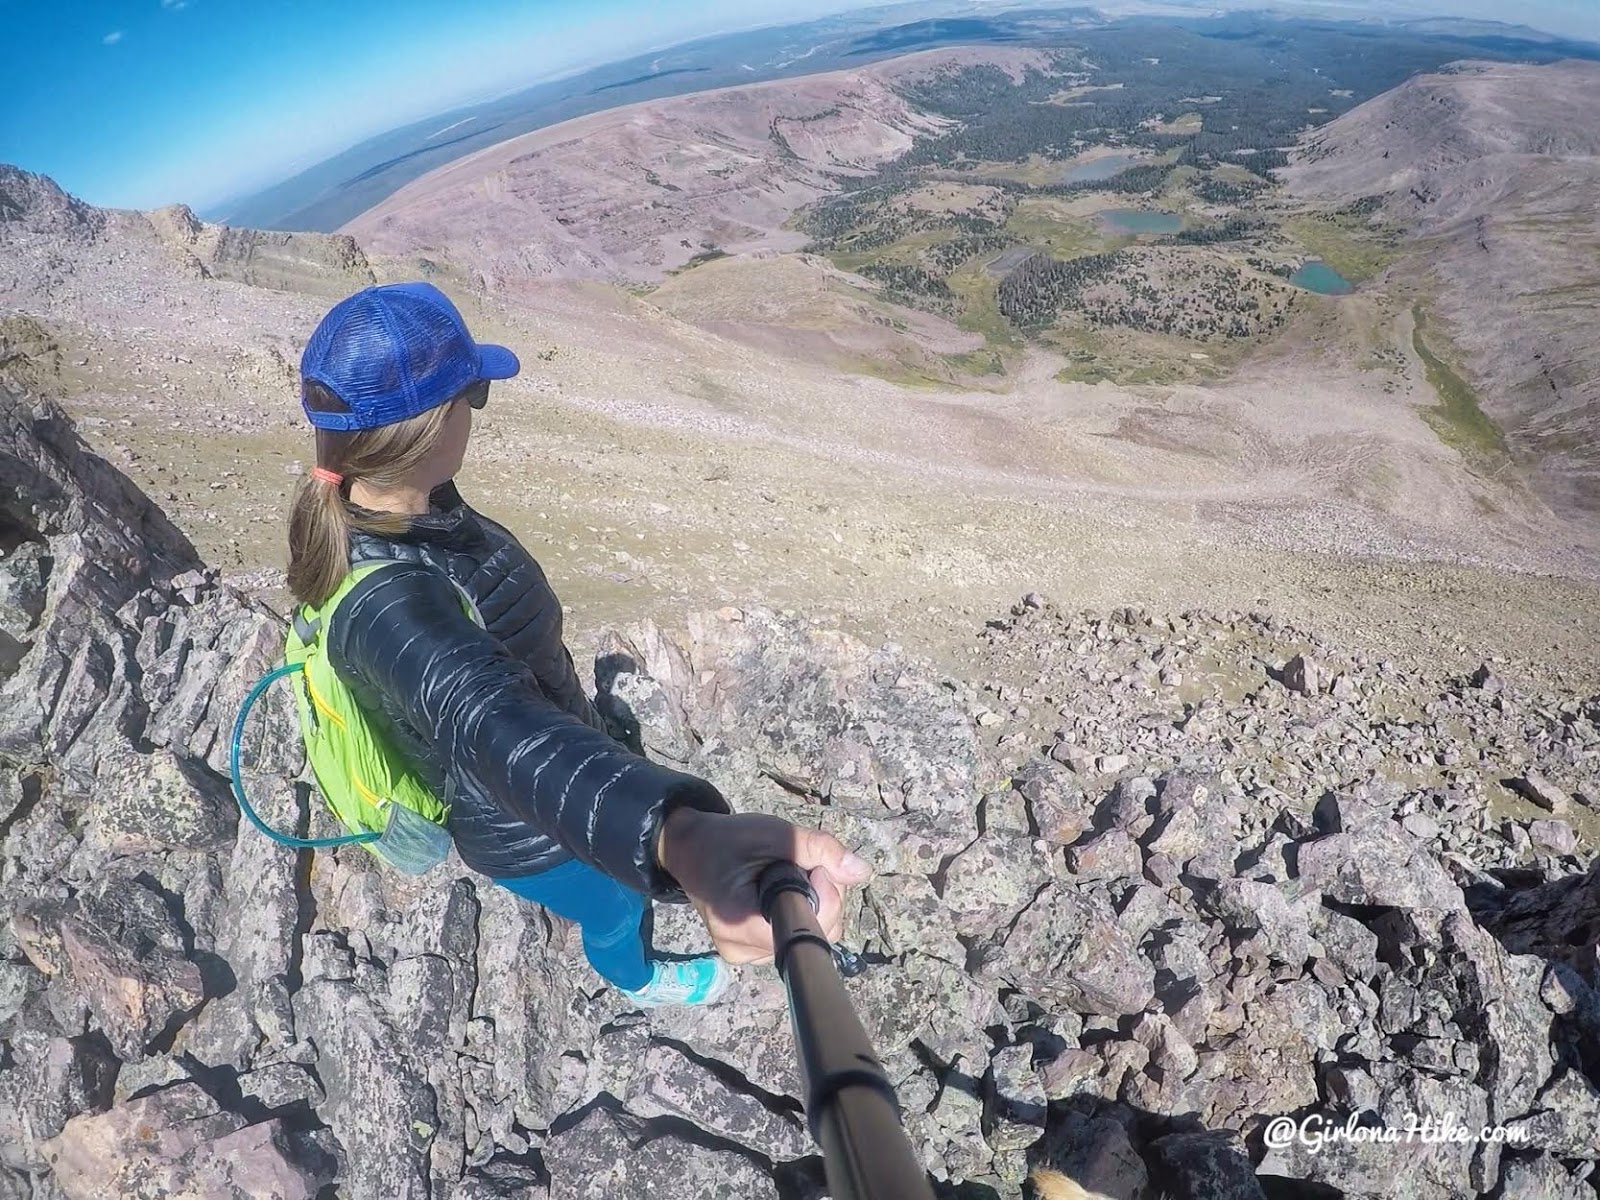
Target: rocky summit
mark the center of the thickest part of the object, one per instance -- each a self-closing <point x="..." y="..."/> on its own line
<point x="1195" y="874"/>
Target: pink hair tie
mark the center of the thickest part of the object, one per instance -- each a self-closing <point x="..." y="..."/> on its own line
<point x="327" y="476"/>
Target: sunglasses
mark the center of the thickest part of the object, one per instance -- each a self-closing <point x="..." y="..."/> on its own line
<point x="478" y="394"/>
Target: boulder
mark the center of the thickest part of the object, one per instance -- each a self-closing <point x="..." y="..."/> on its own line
<point x="1544" y="1176"/>
<point x="1556" y="920"/>
<point x="1066" y="951"/>
<point x="1565" y="1117"/>
<point x="670" y="1084"/>
<point x="134" y="1000"/>
<point x="1059" y="810"/>
<point x="1303" y="674"/>
<point x="378" y="1102"/>
<point x="1204" y="1166"/>
<point x="1282" y="916"/>
<point x="177" y="1143"/>
<point x="988" y="883"/>
<point x="158" y="801"/>
<point x="911" y="916"/>
<point x="1376" y="865"/>
<point x="46" y="1082"/>
<point x="1542" y="792"/>
<point x="1553" y="835"/>
<point x="1016" y="1105"/>
<point x="607" y="1154"/>
<point x="1109" y="855"/>
<point x="1096" y="1154"/>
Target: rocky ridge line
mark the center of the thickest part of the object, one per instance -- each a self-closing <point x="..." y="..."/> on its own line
<point x="1117" y="953"/>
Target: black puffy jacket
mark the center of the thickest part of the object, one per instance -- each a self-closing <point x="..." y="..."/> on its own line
<point x="495" y="717"/>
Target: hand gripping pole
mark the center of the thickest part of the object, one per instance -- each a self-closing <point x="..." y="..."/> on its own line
<point x="850" y="1104"/>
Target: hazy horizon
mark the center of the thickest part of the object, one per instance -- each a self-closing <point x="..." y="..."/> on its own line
<point x="112" y="107"/>
<point x="204" y="101"/>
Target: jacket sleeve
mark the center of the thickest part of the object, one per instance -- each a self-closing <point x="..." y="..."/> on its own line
<point x="401" y="633"/>
<point x="554" y="669"/>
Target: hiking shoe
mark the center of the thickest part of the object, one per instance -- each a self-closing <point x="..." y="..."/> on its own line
<point x="690" y="981"/>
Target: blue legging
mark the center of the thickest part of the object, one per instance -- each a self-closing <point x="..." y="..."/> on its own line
<point x="609" y="914"/>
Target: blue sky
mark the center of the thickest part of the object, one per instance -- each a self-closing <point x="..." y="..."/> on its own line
<point x="138" y="103"/>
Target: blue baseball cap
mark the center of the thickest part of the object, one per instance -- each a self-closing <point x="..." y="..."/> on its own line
<point x="394" y="351"/>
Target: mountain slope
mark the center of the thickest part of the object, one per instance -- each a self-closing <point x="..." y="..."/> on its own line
<point x="1454" y="143"/>
<point x="149" y="293"/>
<point x="658" y="461"/>
<point x="631" y="193"/>
<point x="1495" y="169"/>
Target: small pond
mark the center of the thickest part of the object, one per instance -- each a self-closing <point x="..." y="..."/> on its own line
<point x="1140" y="220"/>
<point x="1097" y="169"/>
<point x="1318" y="276"/>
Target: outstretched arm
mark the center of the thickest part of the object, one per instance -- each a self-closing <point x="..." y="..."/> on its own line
<point x="402" y="633"/>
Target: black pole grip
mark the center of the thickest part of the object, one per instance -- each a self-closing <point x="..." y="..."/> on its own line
<point x="781" y="877"/>
<point x="850" y="1104"/>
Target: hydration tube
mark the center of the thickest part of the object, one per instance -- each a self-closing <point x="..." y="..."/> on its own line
<point x="238" y="781"/>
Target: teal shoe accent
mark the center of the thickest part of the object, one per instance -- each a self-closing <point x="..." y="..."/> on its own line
<point x="691" y="981"/>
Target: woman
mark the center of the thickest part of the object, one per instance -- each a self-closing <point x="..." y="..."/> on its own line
<point x="542" y="800"/>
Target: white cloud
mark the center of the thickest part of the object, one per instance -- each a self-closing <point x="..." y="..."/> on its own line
<point x="112" y="38"/>
<point x="175" y="4"/>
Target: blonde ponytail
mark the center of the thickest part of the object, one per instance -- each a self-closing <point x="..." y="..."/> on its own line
<point x="321" y="518"/>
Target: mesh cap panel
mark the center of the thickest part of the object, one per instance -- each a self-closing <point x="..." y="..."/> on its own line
<point x="393" y="352"/>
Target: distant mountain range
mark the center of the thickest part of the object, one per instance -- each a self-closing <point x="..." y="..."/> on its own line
<point x="333" y="192"/>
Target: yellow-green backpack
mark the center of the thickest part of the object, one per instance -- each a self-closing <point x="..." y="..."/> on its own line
<point x="367" y="781"/>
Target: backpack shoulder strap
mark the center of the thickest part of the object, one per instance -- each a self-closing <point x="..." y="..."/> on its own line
<point x="309" y="623"/>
